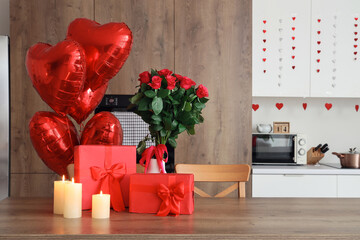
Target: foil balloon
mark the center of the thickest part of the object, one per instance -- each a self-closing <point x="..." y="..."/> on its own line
<point x="57" y="72"/>
<point x="86" y="103"/>
<point x="106" y="48"/>
<point x="102" y="129"/>
<point x="53" y="137"/>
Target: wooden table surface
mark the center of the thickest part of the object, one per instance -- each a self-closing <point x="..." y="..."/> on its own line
<point x="257" y="218"/>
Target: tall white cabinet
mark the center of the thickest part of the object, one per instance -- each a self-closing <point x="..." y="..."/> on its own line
<point x="306" y="48"/>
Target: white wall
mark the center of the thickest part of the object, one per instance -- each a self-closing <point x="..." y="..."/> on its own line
<point x="4" y="17"/>
<point x="339" y="127"/>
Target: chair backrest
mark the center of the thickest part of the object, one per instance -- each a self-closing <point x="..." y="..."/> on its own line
<point x="238" y="173"/>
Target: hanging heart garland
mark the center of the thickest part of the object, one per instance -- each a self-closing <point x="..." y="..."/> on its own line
<point x="304" y="106"/>
<point x="279" y="105"/>
<point x="255" y="107"/>
<point x="328" y="106"/>
<point x="357" y="108"/>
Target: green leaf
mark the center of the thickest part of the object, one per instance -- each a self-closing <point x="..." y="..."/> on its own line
<point x="136" y="98"/>
<point x="155" y="128"/>
<point x="201" y="119"/>
<point x="150" y="93"/>
<point x="157" y="105"/>
<point x="174" y="102"/>
<point x="174" y="124"/>
<point x="162" y="132"/>
<point x="156" y="117"/>
<point x="172" y="142"/>
<point x="199" y="105"/>
<point x="141" y="147"/>
<point x="188" y="106"/>
<point x="143" y="87"/>
<point x="203" y="100"/>
<point x="181" y="128"/>
<point x="144" y="104"/>
<point x="190" y="129"/>
<point x="167" y="123"/>
<point x="163" y="93"/>
<point x="192" y="97"/>
<point x="154" y="72"/>
<point x="178" y="94"/>
<point x="155" y="122"/>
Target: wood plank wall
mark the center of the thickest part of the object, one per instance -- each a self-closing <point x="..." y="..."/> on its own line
<point x="207" y="40"/>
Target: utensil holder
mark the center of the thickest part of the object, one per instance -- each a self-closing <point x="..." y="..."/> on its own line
<point x="313" y="157"/>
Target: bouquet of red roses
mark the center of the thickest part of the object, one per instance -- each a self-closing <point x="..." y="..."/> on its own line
<point x="170" y="104"/>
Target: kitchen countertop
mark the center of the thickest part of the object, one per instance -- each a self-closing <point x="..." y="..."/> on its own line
<point x="214" y="218"/>
<point x="328" y="169"/>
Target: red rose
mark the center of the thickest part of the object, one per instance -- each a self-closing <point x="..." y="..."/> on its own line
<point x="144" y="77"/>
<point x="155" y="82"/>
<point x="179" y="77"/>
<point x="202" y="91"/>
<point x="171" y="81"/>
<point x="186" y="83"/>
<point x="164" y="72"/>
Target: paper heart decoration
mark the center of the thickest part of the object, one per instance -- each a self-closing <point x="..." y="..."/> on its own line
<point x="293" y="47"/>
<point x="264" y="49"/>
<point x="317" y="70"/>
<point x="318" y="42"/>
<point x="264" y="59"/>
<point x="293" y="57"/>
<point x="293" y="38"/>
<point x="355" y="53"/>
<point x="293" y="28"/>
<point x="355" y="25"/>
<point x="319" y="20"/>
<point x="304" y="106"/>
<point x="293" y="18"/>
<point x="53" y="137"/>
<point x="356" y="19"/>
<point x="355" y="39"/>
<point x="86" y="103"/>
<point x="318" y="32"/>
<point x="318" y="51"/>
<point x="264" y="71"/>
<point x="264" y="21"/>
<point x="293" y="67"/>
<point x="264" y="31"/>
<point x="279" y="105"/>
<point x="328" y="106"/>
<point x="264" y="40"/>
<point x="357" y="108"/>
<point x="355" y="33"/>
<point x="57" y="73"/>
<point x="106" y="48"/>
<point x="255" y="107"/>
<point x="355" y="46"/>
<point x="318" y="60"/>
<point x="102" y="129"/>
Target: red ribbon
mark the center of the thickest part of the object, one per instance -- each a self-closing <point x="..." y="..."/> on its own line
<point x="171" y="198"/>
<point x="110" y="183"/>
<point x="159" y="151"/>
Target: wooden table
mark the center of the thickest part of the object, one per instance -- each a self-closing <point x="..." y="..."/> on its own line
<point x="213" y="219"/>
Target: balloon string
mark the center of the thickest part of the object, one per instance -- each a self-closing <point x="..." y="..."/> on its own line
<point x="82" y="126"/>
<point x="69" y="133"/>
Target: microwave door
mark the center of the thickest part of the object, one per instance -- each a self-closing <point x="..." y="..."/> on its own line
<point x="273" y="149"/>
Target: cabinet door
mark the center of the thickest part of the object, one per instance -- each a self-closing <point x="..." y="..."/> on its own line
<point x="335" y="55"/>
<point x="294" y="186"/>
<point x="348" y="186"/>
<point x="281" y="48"/>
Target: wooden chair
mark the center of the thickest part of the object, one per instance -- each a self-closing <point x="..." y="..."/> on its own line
<point x="238" y="173"/>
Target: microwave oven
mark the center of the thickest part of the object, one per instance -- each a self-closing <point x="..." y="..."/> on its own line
<point x="279" y="149"/>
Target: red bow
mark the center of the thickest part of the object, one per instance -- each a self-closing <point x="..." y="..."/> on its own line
<point x="159" y="151"/>
<point x="110" y="183"/>
<point x="171" y="198"/>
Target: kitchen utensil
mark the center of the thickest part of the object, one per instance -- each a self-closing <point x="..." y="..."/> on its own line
<point x="317" y="147"/>
<point x="324" y="146"/>
<point x="313" y="157"/>
<point x="324" y="150"/>
<point x="264" y="128"/>
<point x="350" y="159"/>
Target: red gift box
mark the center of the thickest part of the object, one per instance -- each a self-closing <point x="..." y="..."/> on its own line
<point x="105" y="168"/>
<point x="162" y="193"/>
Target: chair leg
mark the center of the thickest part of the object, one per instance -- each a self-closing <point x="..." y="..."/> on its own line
<point x="242" y="192"/>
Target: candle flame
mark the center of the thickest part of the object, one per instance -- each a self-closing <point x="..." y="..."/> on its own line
<point x="100" y="192"/>
<point x="63" y="178"/>
<point x="72" y="180"/>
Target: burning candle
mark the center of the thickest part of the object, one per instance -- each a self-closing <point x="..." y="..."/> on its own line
<point x="59" y="192"/>
<point x="101" y="205"/>
<point x="72" y="200"/>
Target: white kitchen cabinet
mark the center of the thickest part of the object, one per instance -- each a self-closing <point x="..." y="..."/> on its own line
<point x="281" y="48"/>
<point x="348" y="186"/>
<point x="326" y="54"/>
<point x="335" y="30"/>
<point x="294" y="185"/>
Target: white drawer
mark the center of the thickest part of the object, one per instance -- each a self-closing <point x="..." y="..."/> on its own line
<point x="294" y="185"/>
<point x="348" y="186"/>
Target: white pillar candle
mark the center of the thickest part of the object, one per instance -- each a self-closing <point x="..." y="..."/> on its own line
<point x="72" y="200"/>
<point x="59" y="192"/>
<point x="101" y="205"/>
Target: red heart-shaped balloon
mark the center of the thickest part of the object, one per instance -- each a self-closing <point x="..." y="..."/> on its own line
<point x="304" y="106"/>
<point x="255" y="107"/>
<point x="279" y="105"/>
<point x="106" y="48"/>
<point x="87" y="102"/>
<point x="57" y="73"/>
<point x="328" y="106"/>
<point x="54" y="137"/>
<point x="102" y="129"/>
<point x="357" y="108"/>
